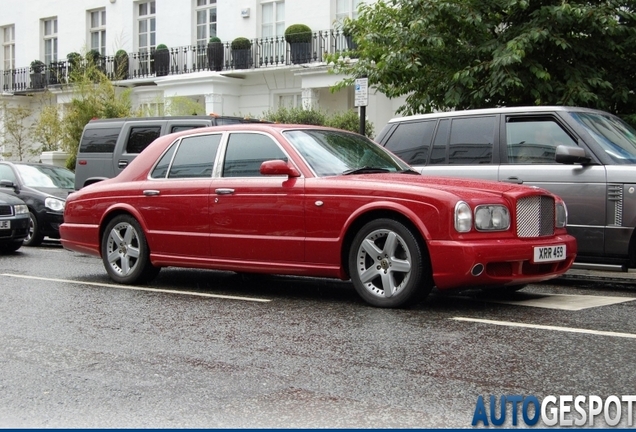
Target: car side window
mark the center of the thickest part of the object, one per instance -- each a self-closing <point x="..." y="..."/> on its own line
<point x="534" y="140"/>
<point x="247" y="151"/>
<point x="140" y="137"/>
<point x="6" y="173"/>
<point x="411" y="141"/>
<point x="180" y="128"/>
<point x="471" y="140"/>
<point x="192" y="157"/>
<point x="99" y="140"/>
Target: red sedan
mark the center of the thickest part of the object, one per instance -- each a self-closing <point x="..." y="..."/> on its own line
<point x="313" y="201"/>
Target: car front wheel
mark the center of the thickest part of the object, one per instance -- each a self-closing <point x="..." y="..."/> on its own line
<point x="34" y="235"/>
<point x="387" y="266"/>
<point x="125" y="252"/>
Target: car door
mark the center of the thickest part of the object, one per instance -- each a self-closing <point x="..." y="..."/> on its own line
<point x="136" y="137"/>
<point x="529" y="150"/>
<point x="174" y="202"/>
<point x="255" y="217"/>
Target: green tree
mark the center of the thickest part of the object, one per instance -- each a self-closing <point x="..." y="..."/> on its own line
<point x="16" y="131"/>
<point x="94" y="96"/>
<point x="47" y="128"/>
<point x="459" y="54"/>
<point x="346" y="120"/>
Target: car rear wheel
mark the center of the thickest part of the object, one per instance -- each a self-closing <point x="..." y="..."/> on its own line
<point x="125" y="252"/>
<point x="387" y="266"/>
<point x="34" y="235"/>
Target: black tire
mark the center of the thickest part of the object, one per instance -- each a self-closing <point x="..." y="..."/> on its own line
<point x="125" y="252"/>
<point x="34" y="236"/>
<point x="397" y="272"/>
<point x="11" y="247"/>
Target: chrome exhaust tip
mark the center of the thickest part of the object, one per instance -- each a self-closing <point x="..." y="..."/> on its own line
<point x="477" y="269"/>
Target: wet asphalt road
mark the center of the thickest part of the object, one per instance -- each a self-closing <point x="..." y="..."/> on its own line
<point x="79" y="351"/>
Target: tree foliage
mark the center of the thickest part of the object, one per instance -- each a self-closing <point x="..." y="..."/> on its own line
<point x="460" y="54"/>
<point x="47" y="128"/>
<point x="94" y="96"/>
<point x="346" y="120"/>
<point x="16" y="131"/>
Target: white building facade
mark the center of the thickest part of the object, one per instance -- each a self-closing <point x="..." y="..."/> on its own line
<point x="269" y="78"/>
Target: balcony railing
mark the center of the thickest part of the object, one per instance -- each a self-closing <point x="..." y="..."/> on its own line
<point x="264" y="53"/>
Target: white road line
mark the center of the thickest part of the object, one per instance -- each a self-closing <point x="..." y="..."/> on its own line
<point x="571" y="302"/>
<point x="545" y="327"/>
<point x="136" y="288"/>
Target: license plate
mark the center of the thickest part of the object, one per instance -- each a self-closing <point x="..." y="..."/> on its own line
<point x="5" y="224"/>
<point x="549" y="253"/>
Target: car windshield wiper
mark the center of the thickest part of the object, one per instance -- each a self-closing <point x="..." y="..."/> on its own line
<point x="410" y="171"/>
<point x="365" y="170"/>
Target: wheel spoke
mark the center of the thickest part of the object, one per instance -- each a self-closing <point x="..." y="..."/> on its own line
<point x="125" y="265"/>
<point x="114" y="235"/>
<point x="400" y="266"/>
<point x="391" y="244"/>
<point x="113" y="256"/>
<point x="388" y="284"/>
<point x="370" y="248"/>
<point x="129" y="235"/>
<point x="369" y="274"/>
<point x="132" y="252"/>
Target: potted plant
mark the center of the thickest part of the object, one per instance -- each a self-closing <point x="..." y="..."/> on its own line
<point x="95" y="58"/>
<point x="215" y="54"/>
<point x="37" y="67"/>
<point x="241" y="53"/>
<point x="161" y="58"/>
<point x="299" y="36"/>
<point x="121" y="65"/>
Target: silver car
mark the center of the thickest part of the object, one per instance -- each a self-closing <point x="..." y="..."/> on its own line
<point x="586" y="156"/>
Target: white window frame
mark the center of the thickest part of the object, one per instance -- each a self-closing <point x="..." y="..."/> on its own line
<point x="275" y="27"/>
<point x="97" y="30"/>
<point x="203" y="31"/>
<point x="49" y="39"/>
<point x="8" y="47"/>
<point x="345" y="9"/>
<point x="148" y="19"/>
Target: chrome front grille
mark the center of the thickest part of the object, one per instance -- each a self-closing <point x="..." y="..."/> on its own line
<point x="535" y="216"/>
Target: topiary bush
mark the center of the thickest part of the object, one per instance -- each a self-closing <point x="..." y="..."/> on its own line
<point x="241" y="43"/>
<point x="298" y="33"/>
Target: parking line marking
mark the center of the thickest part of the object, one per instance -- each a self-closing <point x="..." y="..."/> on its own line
<point x="571" y="302"/>
<point x="135" y="288"/>
<point x="546" y="327"/>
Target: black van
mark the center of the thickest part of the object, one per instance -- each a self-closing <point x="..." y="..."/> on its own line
<point x="108" y="146"/>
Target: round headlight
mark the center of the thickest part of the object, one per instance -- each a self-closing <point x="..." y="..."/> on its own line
<point x="463" y="217"/>
<point x="54" y="204"/>
<point x="492" y="218"/>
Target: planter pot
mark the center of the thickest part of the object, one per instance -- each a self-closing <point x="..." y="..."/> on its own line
<point x="37" y="80"/>
<point x="241" y="58"/>
<point x="162" y="62"/>
<point x="215" y="56"/>
<point x="300" y="52"/>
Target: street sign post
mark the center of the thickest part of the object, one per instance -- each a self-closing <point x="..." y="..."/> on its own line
<point x="361" y="100"/>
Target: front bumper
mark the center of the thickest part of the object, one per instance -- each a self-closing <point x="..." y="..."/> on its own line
<point x="457" y="264"/>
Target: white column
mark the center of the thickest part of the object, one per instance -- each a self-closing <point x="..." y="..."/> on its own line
<point x="310" y="98"/>
<point x="213" y="103"/>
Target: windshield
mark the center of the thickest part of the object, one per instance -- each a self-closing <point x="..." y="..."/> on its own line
<point x="333" y="153"/>
<point x="616" y="137"/>
<point x="46" y="176"/>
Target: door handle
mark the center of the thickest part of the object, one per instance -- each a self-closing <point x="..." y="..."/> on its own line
<point x="151" y="192"/>
<point x="224" y="191"/>
<point x="516" y="180"/>
<point x="122" y="163"/>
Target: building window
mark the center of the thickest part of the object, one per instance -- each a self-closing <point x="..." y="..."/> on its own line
<point x="8" y="47"/>
<point x="146" y="26"/>
<point x="273" y="19"/>
<point x="346" y="9"/>
<point x="206" y="20"/>
<point x="50" y="40"/>
<point x="98" y="31"/>
<point x="290" y="100"/>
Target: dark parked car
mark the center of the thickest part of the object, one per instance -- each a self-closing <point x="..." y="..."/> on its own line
<point x="312" y="201"/>
<point x="14" y="222"/>
<point x="44" y="189"/>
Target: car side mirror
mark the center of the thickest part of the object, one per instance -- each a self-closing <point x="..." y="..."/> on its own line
<point x="571" y="155"/>
<point x="278" y="167"/>
<point x="9" y="184"/>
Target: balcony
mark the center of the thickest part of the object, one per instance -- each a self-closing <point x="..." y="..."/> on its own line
<point x="264" y="53"/>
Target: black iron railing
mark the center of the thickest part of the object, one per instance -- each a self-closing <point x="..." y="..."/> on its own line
<point x="264" y="52"/>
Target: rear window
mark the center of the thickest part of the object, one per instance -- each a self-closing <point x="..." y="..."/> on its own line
<point x="100" y="140"/>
